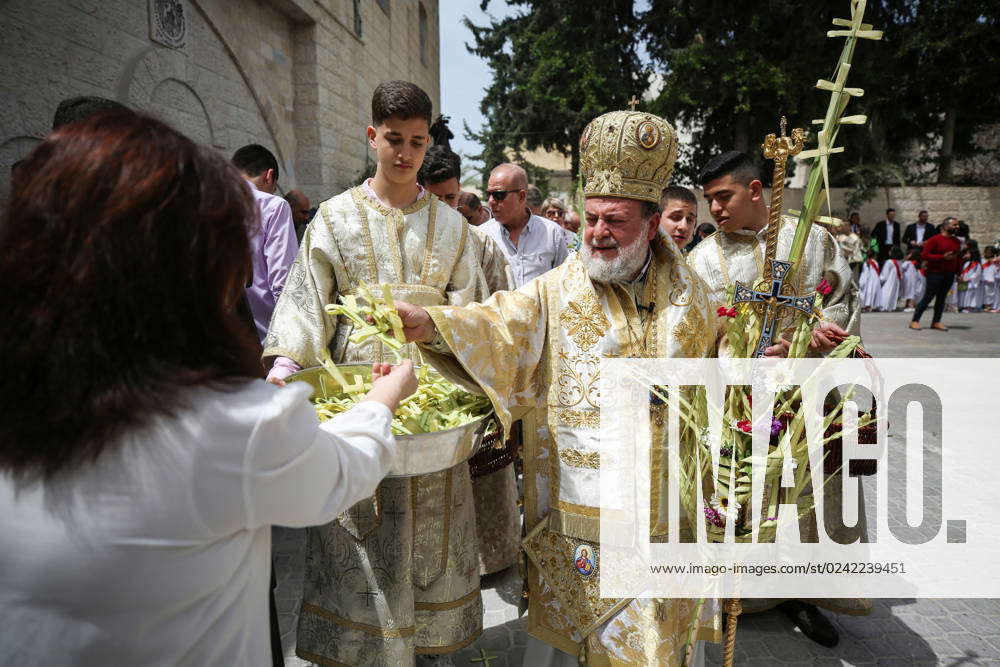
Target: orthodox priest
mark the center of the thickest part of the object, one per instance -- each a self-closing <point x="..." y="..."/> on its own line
<point x="732" y="186"/>
<point x="398" y="573"/>
<point x="536" y="351"/>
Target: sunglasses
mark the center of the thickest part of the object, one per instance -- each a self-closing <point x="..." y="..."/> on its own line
<point x="499" y="195"/>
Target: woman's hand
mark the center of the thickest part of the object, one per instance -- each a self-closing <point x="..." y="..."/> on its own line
<point x="391" y="384"/>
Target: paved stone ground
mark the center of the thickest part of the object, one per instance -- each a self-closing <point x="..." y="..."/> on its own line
<point x="898" y="632"/>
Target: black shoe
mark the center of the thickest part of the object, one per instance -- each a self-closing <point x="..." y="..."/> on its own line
<point x="811" y="622"/>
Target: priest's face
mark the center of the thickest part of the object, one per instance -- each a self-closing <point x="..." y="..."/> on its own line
<point x="733" y="204"/>
<point x="399" y="148"/>
<point x="616" y="238"/>
<point x="447" y="191"/>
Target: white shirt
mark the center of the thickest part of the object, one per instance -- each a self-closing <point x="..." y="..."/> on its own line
<point x="541" y="246"/>
<point x="160" y="553"/>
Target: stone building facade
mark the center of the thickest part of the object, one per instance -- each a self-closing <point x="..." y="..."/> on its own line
<point x="294" y="75"/>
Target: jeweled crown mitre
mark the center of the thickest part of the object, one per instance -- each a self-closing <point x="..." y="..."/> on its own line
<point x="627" y="154"/>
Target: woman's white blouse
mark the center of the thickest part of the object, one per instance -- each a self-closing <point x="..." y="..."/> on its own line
<point x="160" y="552"/>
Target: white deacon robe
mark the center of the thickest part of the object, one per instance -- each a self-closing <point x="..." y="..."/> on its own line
<point x="889" y="280"/>
<point x="870" y="285"/>
<point x="909" y="282"/>
<point x="919" y="286"/>
<point x="989" y="284"/>
<point x="970" y="297"/>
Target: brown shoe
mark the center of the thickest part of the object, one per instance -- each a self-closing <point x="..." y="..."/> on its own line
<point x="939" y="326"/>
<point x="915" y="326"/>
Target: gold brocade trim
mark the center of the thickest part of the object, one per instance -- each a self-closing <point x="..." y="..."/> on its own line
<point x="575" y="525"/>
<point x="418" y="204"/>
<point x="584" y="320"/>
<point x="374" y="630"/>
<point x="446" y="533"/>
<point x="582" y="510"/>
<point x="690" y="332"/>
<point x="725" y="239"/>
<point x="580" y="418"/>
<point x="425" y="269"/>
<point x="579" y="597"/>
<point x="435" y="650"/>
<point x="359" y="197"/>
<point x="579" y="459"/>
<point x="445" y="606"/>
<point x="395" y="224"/>
<point x="318" y="659"/>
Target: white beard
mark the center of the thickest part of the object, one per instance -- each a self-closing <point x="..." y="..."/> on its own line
<point x="622" y="268"/>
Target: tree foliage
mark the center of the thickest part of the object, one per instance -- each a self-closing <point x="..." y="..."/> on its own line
<point x="730" y="70"/>
<point x="556" y="65"/>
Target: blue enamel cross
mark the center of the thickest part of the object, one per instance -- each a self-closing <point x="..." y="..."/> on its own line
<point x="772" y="302"/>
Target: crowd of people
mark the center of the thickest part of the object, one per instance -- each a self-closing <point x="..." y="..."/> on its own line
<point x="927" y="262"/>
<point x="153" y="284"/>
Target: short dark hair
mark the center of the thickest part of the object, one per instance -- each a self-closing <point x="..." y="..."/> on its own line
<point x="402" y="99"/>
<point x="678" y="193"/>
<point x="533" y="196"/>
<point x="889" y="210"/>
<point x="440" y="164"/>
<point x="895" y="252"/>
<point x="706" y="228"/>
<point x="471" y="200"/>
<point x="739" y="165"/>
<point x="129" y="246"/>
<point x="254" y="159"/>
<point x="75" y="109"/>
<point x="922" y="212"/>
<point x="648" y="209"/>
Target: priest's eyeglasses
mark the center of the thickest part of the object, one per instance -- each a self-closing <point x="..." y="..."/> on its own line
<point x="499" y="195"/>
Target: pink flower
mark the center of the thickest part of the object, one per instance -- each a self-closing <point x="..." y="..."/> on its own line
<point x="721" y="311"/>
<point x="744" y="425"/>
<point x="731" y="312"/>
<point x="824" y="287"/>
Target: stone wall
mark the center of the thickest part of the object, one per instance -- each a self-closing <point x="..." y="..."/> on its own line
<point x="292" y="75"/>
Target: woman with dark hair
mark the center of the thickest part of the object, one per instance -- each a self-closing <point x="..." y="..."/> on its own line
<point x="141" y="464"/>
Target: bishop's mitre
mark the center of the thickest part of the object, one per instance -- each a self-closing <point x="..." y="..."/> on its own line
<point x="627" y="154"/>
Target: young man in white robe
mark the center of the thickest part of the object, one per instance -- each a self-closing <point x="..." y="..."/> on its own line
<point x="890" y="279"/>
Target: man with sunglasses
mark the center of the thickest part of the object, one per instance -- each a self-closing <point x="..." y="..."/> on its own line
<point x="532" y="244"/>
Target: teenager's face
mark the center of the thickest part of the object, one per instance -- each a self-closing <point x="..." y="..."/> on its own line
<point x="399" y="148"/>
<point x="447" y="191"/>
<point x="678" y="220"/>
<point x="731" y="203"/>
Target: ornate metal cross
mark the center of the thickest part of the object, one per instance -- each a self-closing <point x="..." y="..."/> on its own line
<point x="778" y="149"/>
<point x="633" y="103"/>
<point x="770" y="300"/>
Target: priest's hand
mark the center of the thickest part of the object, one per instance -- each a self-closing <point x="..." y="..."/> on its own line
<point x="826" y="336"/>
<point x="779" y="349"/>
<point x="418" y="327"/>
<point x="391" y="384"/>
